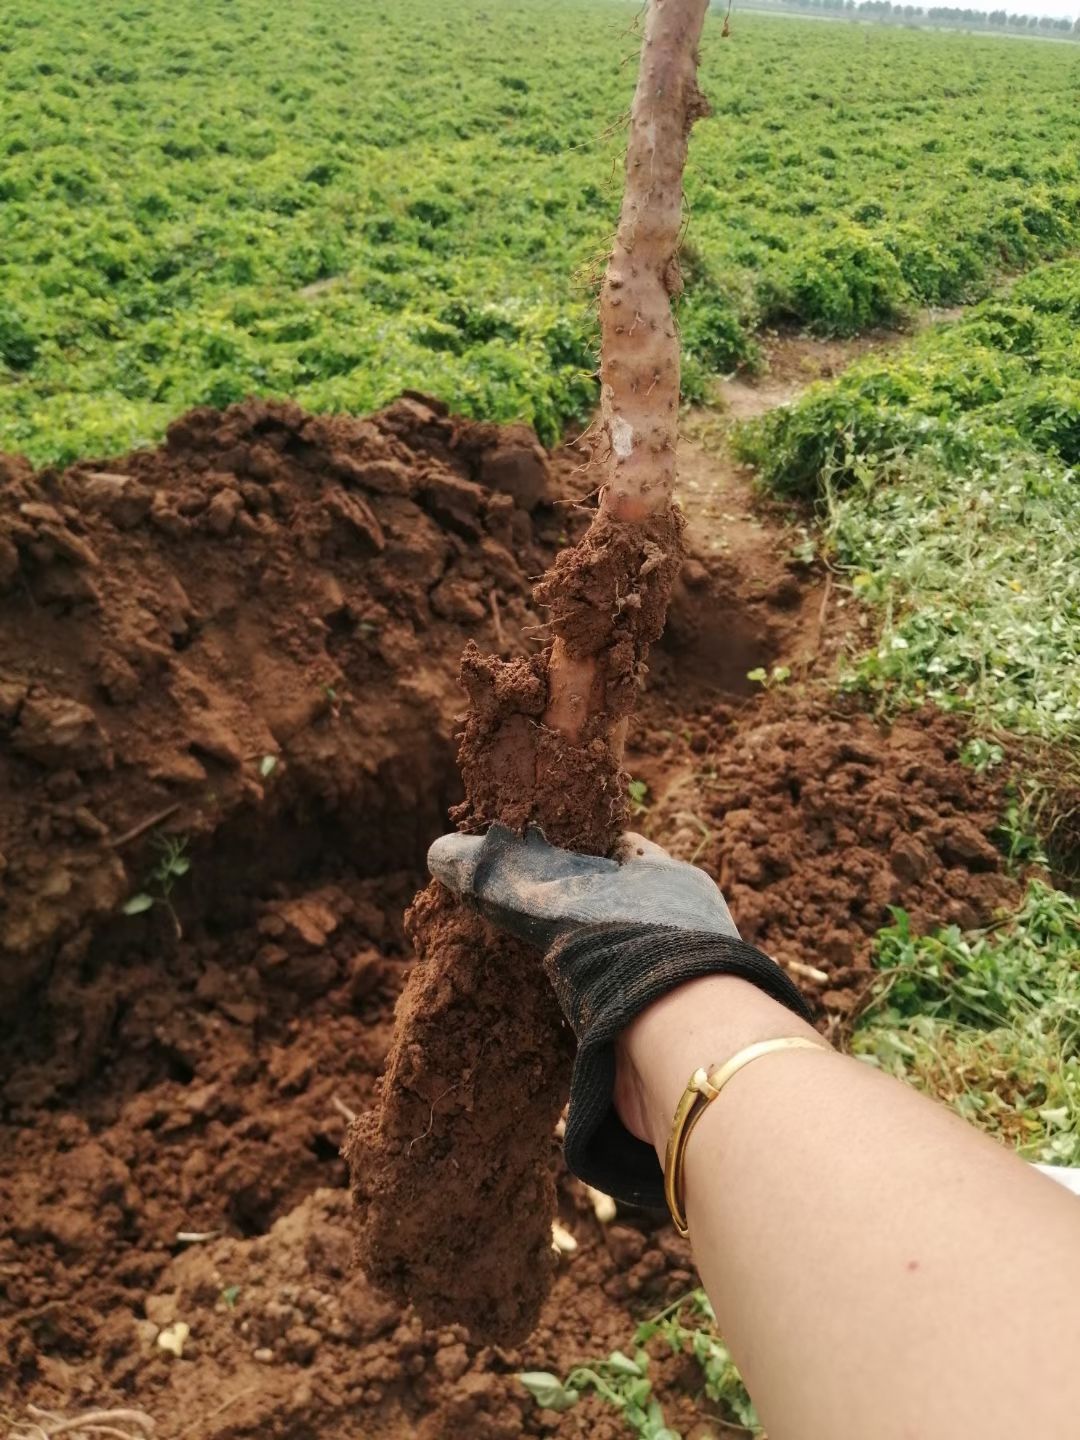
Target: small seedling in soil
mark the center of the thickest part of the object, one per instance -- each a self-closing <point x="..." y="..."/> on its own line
<point x="623" y="1381"/>
<point x="173" y="866"/>
<point x="770" y="678"/>
<point x="638" y="793"/>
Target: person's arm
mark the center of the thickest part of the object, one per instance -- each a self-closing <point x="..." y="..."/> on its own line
<point x="879" y="1269"/>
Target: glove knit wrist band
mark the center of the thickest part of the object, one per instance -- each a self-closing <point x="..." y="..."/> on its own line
<point x="606" y="975"/>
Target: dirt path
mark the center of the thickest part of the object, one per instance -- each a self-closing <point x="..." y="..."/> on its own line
<point x="750" y="596"/>
<point x="715" y="492"/>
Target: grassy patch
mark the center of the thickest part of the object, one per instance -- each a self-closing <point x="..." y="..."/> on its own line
<point x="988" y="1022"/>
<point x="945" y="481"/>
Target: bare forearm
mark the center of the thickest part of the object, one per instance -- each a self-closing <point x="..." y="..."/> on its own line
<point x="878" y="1267"/>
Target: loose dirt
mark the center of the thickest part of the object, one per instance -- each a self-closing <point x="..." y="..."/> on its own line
<point x="173" y="1096"/>
<point x="818" y="823"/>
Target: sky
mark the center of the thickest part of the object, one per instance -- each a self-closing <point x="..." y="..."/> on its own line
<point x="1056" y="8"/>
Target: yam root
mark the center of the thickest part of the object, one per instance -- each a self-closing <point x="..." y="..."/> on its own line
<point x="453" y="1173"/>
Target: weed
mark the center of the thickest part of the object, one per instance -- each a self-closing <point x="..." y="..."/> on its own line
<point x="638" y="794"/>
<point x="989" y="1022"/>
<point x="623" y="1380"/>
<point x="1016" y="832"/>
<point x="173" y="865"/>
<point x="981" y="755"/>
<point x="769" y="679"/>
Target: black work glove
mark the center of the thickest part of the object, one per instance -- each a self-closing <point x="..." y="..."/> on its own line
<point x="616" y="936"/>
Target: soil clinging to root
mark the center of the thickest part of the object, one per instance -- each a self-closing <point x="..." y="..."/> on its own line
<point x="268" y="584"/>
<point x="491" y="1089"/>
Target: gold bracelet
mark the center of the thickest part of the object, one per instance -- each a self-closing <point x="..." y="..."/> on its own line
<point x="701" y="1090"/>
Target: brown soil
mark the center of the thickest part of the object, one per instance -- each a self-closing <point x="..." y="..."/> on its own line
<point x="454" y="1168"/>
<point x="817" y="822"/>
<point x="267" y="584"/>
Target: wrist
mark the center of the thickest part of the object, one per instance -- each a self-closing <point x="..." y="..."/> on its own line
<point x="703" y="1022"/>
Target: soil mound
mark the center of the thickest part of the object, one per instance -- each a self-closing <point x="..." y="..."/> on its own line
<point x="265" y="614"/>
<point x="818" y="822"/>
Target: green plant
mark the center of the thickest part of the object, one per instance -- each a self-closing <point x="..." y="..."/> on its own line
<point x="623" y="1382"/>
<point x="1016" y="831"/>
<point x="951" y="510"/>
<point x="768" y="679"/>
<point x="385" y="231"/>
<point x="989" y="1022"/>
<point x="172" y="866"/>
<point x="981" y="755"/>
<point x="838" y="284"/>
<point x="723" y="1385"/>
<point x="638" y="794"/>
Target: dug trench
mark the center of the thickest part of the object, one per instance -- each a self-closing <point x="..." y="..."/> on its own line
<point x="244" y="645"/>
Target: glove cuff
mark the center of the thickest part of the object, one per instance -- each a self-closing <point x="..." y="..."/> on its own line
<point x="605" y="976"/>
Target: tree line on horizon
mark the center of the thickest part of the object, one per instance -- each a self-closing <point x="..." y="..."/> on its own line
<point x="929" y="15"/>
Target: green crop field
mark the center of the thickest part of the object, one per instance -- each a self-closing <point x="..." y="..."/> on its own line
<point x="333" y="202"/>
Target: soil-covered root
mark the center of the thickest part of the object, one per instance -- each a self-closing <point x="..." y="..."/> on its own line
<point x="46" y="1424"/>
<point x="458" y="1222"/>
<point x="454" y="1173"/>
<point x="544" y="743"/>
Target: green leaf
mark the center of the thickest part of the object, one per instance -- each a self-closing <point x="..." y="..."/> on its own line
<point x="760" y="675"/>
<point x="138" y="904"/>
<point x="267" y="765"/>
<point x="638" y="1391"/>
<point x="230" y="1295"/>
<point x="548" y="1390"/>
<point x="623" y="1365"/>
<point x="637" y="790"/>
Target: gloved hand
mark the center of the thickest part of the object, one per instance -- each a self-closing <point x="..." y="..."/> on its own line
<point x="617" y="935"/>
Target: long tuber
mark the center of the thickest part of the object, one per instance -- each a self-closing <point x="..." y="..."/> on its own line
<point x="453" y="1172"/>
